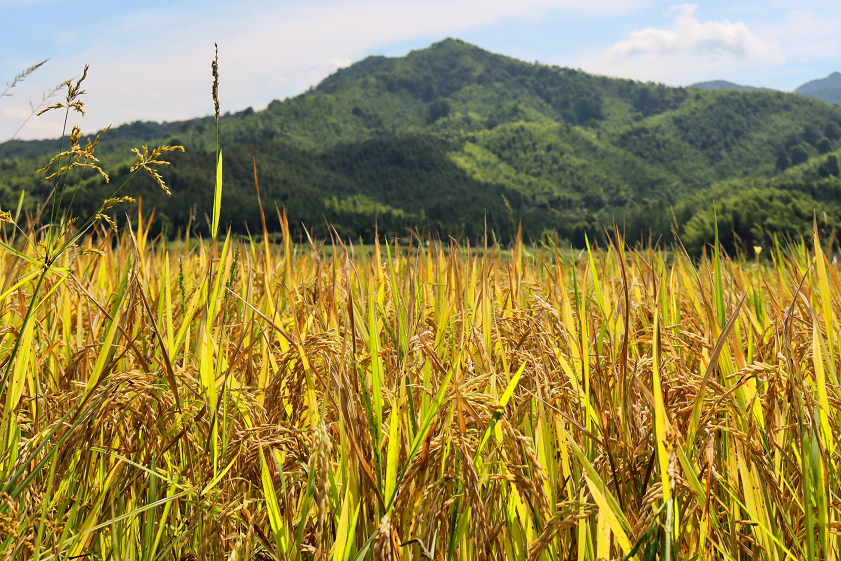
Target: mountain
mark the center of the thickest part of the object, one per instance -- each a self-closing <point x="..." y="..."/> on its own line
<point x="826" y="89"/>
<point x="723" y="85"/>
<point x="451" y="140"/>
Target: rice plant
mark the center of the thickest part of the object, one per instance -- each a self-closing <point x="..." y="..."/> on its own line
<point x="236" y="398"/>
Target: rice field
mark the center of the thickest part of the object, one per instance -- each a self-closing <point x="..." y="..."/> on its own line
<point x="229" y="399"/>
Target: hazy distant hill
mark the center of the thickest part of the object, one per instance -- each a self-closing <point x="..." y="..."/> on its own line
<point x="723" y="85"/>
<point x="452" y="138"/>
<point x="827" y="89"/>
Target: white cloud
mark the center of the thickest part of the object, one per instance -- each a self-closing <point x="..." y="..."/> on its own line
<point x="689" y="51"/>
<point x="690" y="36"/>
<point x="808" y="36"/>
<point x="11" y="119"/>
<point x="15" y="113"/>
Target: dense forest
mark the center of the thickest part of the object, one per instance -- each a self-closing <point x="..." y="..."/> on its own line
<point x="455" y="141"/>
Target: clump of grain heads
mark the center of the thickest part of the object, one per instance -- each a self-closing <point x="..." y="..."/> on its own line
<point x="383" y="546"/>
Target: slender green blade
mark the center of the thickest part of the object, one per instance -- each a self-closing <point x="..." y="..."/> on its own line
<point x="217" y="198"/>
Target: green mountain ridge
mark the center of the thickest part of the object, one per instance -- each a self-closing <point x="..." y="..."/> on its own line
<point x="827" y="89"/>
<point x="452" y="139"/>
<point x="724" y="85"/>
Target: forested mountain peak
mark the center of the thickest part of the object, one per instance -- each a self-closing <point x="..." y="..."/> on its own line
<point x="827" y="89"/>
<point x="723" y="85"/>
<point x="831" y="81"/>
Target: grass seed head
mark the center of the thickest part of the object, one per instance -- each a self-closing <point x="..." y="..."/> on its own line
<point x="91" y="251"/>
<point x="75" y="135"/>
<point x="214" y="67"/>
<point x="71" y="100"/>
<point x="147" y="160"/>
<point x="383" y="547"/>
<point x="84" y="158"/>
<point x="110" y="221"/>
<point x="115" y="201"/>
<point x="21" y="77"/>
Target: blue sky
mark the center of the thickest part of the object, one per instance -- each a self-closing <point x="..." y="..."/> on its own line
<point x="151" y="61"/>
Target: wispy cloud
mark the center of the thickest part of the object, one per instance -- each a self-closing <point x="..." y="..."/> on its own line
<point x="39" y="128"/>
<point x="15" y="113"/>
<point x="808" y="35"/>
<point x="690" y="50"/>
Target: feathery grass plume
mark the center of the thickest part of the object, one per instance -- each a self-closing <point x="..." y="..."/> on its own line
<point x="101" y="215"/>
<point x="71" y="100"/>
<point x="147" y="160"/>
<point x="83" y="156"/>
<point x="21" y="77"/>
<point x="214" y="68"/>
<point x="107" y="219"/>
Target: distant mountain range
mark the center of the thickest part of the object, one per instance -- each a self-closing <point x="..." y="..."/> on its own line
<point x="452" y="140"/>
<point x="826" y="89"/>
<point x="724" y="85"/>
